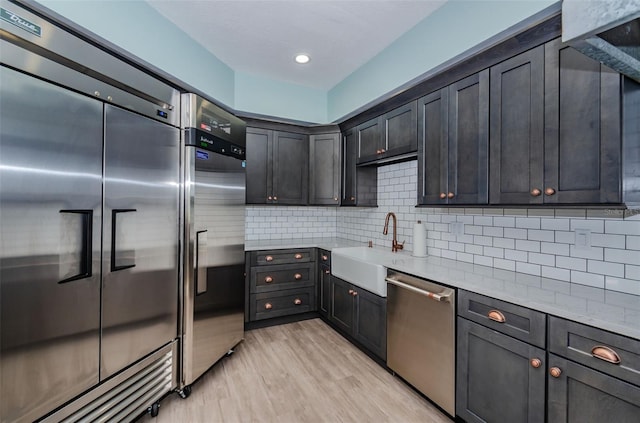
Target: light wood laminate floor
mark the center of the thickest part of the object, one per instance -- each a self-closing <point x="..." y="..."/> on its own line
<point x="298" y="372"/>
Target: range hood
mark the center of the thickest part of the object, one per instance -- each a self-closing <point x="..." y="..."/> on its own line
<point x="606" y="30"/>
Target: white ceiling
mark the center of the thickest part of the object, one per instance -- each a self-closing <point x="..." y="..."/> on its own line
<point x="261" y="37"/>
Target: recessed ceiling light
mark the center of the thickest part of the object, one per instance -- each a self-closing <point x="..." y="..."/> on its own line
<point x="302" y="58"/>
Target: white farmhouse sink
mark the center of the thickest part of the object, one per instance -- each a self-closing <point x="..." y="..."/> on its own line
<point x="361" y="266"/>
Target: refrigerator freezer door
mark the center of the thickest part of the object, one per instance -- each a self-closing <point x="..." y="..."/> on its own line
<point x="50" y="214"/>
<point x="214" y="319"/>
<point x="140" y="248"/>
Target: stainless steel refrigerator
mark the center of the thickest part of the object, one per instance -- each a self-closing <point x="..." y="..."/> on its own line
<point x="214" y="215"/>
<point x="89" y="196"/>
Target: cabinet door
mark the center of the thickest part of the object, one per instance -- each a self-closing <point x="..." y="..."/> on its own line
<point x="324" y="290"/>
<point x="433" y="148"/>
<point x="495" y="379"/>
<point x="324" y="169"/>
<point x="290" y="164"/>
<point x="341" y="309"/>
<point x="400" y="130"/>
<point x="258" y="179"/>
<point x="580" y="394"/>
<point x="370" y="325"/>
<point x="582" y="128"/>
<point x="349" y="157"/>
<point x="369" y="135"/>
<point x="468" y="140"/>
<point x="516" y="128"/>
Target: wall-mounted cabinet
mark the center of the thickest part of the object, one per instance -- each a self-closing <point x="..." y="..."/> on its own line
<point x="277" y="167"/>
<point x="388" y="136"/>
<point x="359" y="184"/>
<point x="453" y="147"/>
<point x="555" y="129"/>
<point x="324" y="169"/>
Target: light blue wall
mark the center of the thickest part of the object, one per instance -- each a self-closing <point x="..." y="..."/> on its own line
<point x="141" y="30"/>
<point x="275" y="98"/>
<point x="449" y="31"/>
<point x="138" y="28"/>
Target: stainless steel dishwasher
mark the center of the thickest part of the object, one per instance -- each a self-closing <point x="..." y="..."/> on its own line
<point x="421" y="336"/>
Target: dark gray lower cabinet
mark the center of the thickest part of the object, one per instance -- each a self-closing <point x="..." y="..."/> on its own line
<point x="324" y="283"/>
<point x="360" y="314"/>
<point x="580" y="394"/>
<point x="495" y="378"/>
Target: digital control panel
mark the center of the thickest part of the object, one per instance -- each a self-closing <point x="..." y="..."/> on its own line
<point x="204" y="140"/>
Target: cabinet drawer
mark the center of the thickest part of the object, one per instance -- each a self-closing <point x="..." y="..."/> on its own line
<point x="298" y="255"/>
<point x="281" y="303"/>
<point x="519" y="322"/>
<point x="584" y="344"/>
<point x="281" y="276"/>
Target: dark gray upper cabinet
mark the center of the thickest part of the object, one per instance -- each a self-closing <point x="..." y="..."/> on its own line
<point x="390" y="135"/>
<point x="324" y="169"/>
<point x="359" y="184"/>
<point x="277" y="167"/>
<point x="517" y="129"/>
<point x="258" y="160"/>
<point x="582" y="128"/>
<point x="453" y="148"/>
<point x="555" y="129"/>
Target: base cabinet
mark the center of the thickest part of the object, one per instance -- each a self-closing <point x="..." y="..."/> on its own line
<point x="496" y="381"/>
<point x="360" y="314"/>
<point x="323" y="294"/>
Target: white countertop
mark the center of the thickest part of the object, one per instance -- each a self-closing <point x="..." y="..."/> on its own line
<point x="610" y="310"/>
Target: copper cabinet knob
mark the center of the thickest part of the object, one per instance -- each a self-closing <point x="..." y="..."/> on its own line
<point x="269" y="198"/>
<point x="382" y="150"/>
<point x="297" y="301"/>
<point x="297" y="256"/>
<point x="275" y="198"/>
<point x="325" y="257"/>
<point x="269" y="258"/>
<point x="555" y="371"/>
<point x="536" y="192"/>
<point x="335" y="198"/>
<point x="327" y="271"/>
<point x="268" y="306"/>
<point x="451" y="195"/>
<point x="355" y="293"/>
<point x="606" y="354"/>
<point x="549" y="191"/>
<point x="297" y="276"/>
<point x="378" y="151"/>
<point x="350" y="292"/>
<point x="443" y="195"/>
<point x="268" y="279"/>
<point x="352" y="198"/>
<point x="535" y="362"/>
<point x="496" y="316"/>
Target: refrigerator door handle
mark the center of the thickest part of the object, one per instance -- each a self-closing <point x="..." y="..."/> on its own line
<point x="201" y="262"/>
<point x="114" y="219"/>
<point x="85" y="268"/>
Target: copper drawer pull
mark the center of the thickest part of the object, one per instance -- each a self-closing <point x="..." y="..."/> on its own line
<point x="536" y="192"/>
<point x="325" y="257"/>
<point x="535" y="362"/>
<point x="555" y="372"/>
<point x="297" y="276"/>
<point x="298" y="256"/>
<point x="327" y="271"/>
<point x="549" y="191"/>
<point x="496" y="316"/>
<point x="355" y="293"/>
<point x="268" y="306"/>
<point x="275" y="198"/>
<point x="451" y="195"/>
<point x="335" y="198"/>
<point x="443" y="195"/>
<point x="350" y="292"/>
<point x="297" y="301"/>
<point x="268" y="279"/>
<point x="606" y="354"/>
<point x="269" y="198"/>
<point x="268" y="258"/>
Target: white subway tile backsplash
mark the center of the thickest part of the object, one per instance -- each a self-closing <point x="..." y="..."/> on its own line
<point x="530" y="241"/>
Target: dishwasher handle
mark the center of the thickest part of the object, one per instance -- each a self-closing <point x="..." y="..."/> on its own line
<point x="443" y="297"/>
